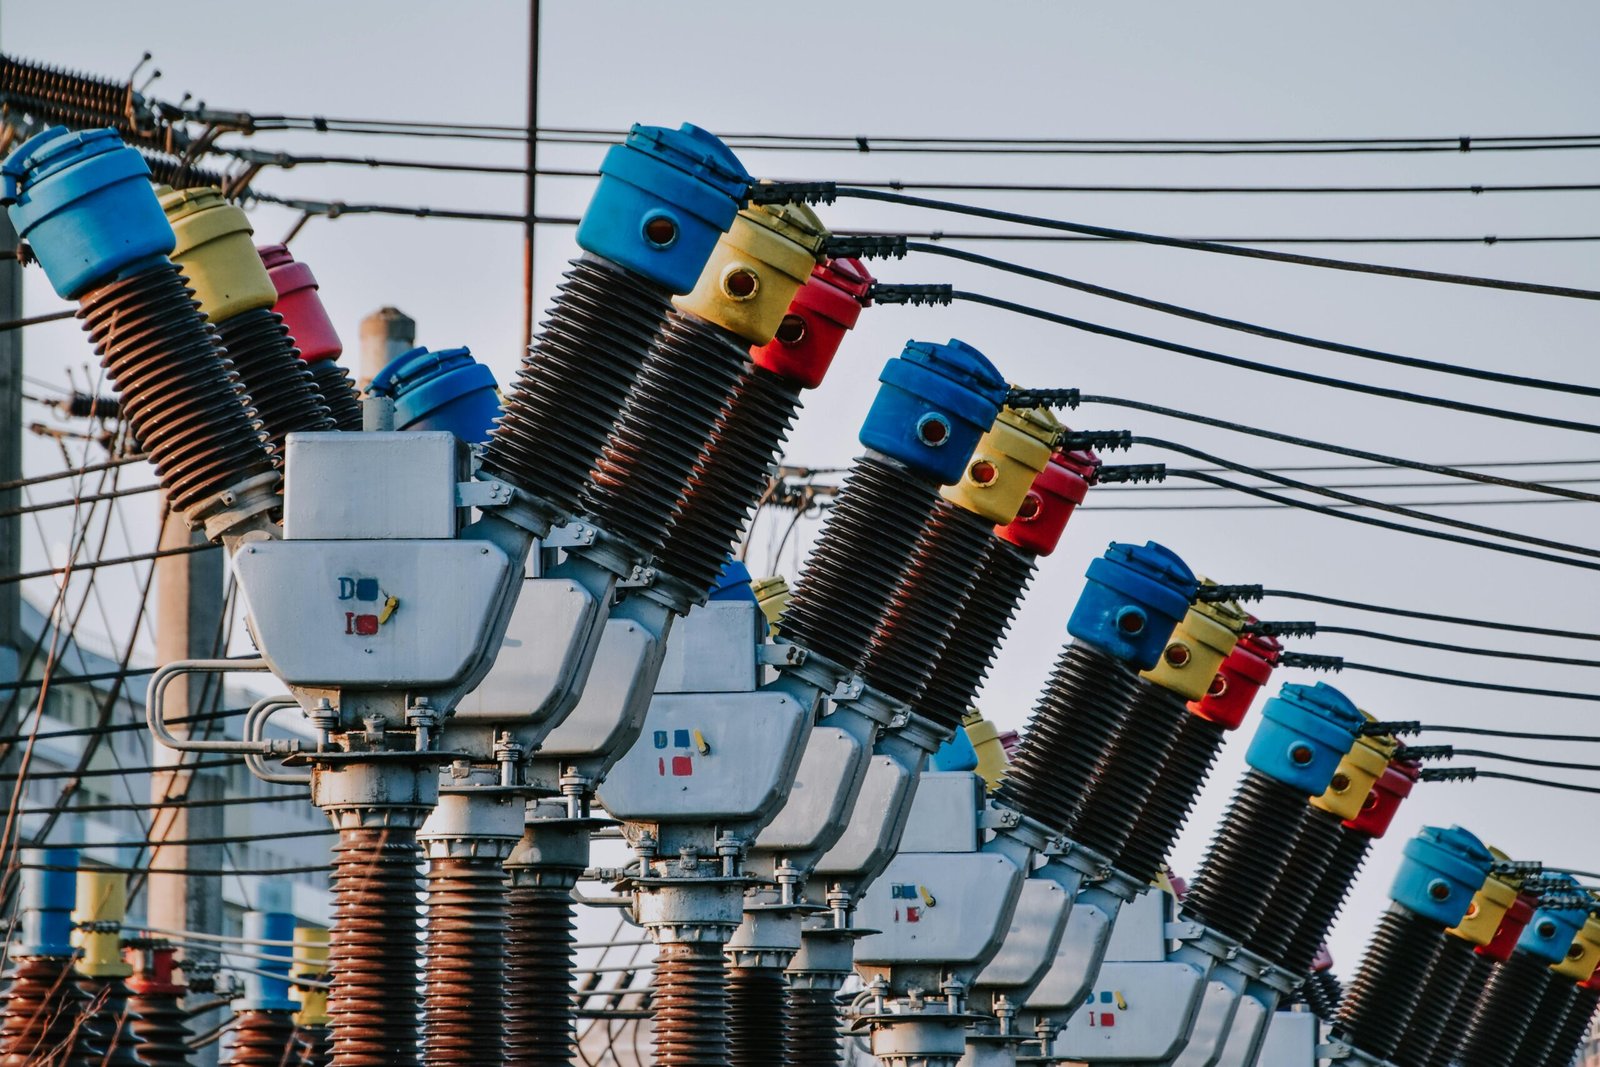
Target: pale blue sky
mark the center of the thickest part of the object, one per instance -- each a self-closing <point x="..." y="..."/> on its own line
<point x="1245" y="69"/>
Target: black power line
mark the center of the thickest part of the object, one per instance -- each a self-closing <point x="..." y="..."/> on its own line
<point x="1427" y="616"/>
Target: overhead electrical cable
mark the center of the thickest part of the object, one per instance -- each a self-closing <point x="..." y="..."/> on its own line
<point x="1241" y="326"/>
<point x="1339" y="663"/>
<point x="1428" y="616"/>
<point x="1213" y="247"/>
<point x="1268" y="368"/>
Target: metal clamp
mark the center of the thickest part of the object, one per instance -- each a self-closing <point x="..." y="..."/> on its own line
<point x="483" y="493"/>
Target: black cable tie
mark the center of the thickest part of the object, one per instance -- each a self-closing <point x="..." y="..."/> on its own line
<point x="1307" y="661"/>
<point x="1398" y="728"/>
<point x="1491" y="239"/>
<point x="1079" y="440"/>
<point x="1281" y="629"/>
<point x="1132" y="473"/>
<point x="1426" y="752"/>
<point x="866" y="246"/>
<point x="862" y="145"/>
<point x="1464" y="144"/>
<point x="1448" y="774"/>
<point x="1216" y="594"/>
<point x="792" y="192"/>
<point x="1043" y="398"/>
<point x="915" y="295"/>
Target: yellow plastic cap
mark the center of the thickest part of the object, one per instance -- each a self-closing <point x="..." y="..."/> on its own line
<point x="985" y="738"/>
<point x="756" y="268"/>
<point x="102" y="904"/>
<point x="772" y="596"/>
<point x="216" y="253"/>
<point x="310" y="952"/>
<point x="1200" y="642"/>
<point x="1005" y="463"/>
<point x="1584" y="955"/>
<point x="1358" y="772"/>
<point x="1489" y="906"/>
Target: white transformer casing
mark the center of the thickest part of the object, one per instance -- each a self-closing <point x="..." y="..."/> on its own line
<point x="1291" y="1040"/>
<point x="825" y="789"/>
<point x="713" y="650"/>
<point x="1030" y="944"/>
<point x="718" y="759"/>
<point x="371" y="486"/>
<point x="877" y="819"/>
<point x="543" y="654"/>
<point x="940" y="903"/>
<point x="612" y="706"/>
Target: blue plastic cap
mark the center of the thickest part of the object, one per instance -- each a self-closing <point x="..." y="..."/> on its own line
<point x="1135" y="596"/>
<point x="733" y="582"/>
<point x="1551" y="931"/>
<point x="935" y="403"/>
<point x="48" y="897"/>
<point x="84" y="203"/>
<point x="1441" y="871"/>
<point x="664" y="198"/>
<point x="447" y="390"/>
<point x="269" y="990"/>
<point x="1303" y="734"/>
<point x="956" y="754"/>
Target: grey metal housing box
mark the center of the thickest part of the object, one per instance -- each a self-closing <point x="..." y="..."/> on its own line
<point x="371" y="486"/>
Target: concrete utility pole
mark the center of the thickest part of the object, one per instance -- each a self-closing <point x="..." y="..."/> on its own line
<point x="10" y="457"/>
<point x="530" y="221"/>
<point x="385" y="333"/>
<point x="189" y="625"/>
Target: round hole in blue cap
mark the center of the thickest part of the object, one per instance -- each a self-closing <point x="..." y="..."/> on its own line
<point x="1301" y="755"/>
<point x="660" y="230"/>
<point x="1131" y="620"/>
<point x="933" y="430"/>
<point x="1439" y="889"/>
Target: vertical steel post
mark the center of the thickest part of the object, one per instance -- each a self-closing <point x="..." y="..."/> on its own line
<point x="385" y="333"/>
<point x="530" y="216"/>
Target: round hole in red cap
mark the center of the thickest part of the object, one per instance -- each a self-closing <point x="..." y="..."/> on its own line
<point x="791" y="331"/>
<point x="1031" y="506"/>
<point x="1219" y="685"/>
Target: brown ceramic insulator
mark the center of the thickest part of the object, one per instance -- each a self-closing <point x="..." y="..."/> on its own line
<point x="813" y="1018"/>
<point x="1172" y="797"/>
<point x="758" y="1028"/>
<point x="372" y="948"/>
<point x="574" y="381"/>
<point x="858" y="560"/>
<point x="1504" y="1011"/>
<point x="1443" y="987"/>
<point x="1455" y="1029"/>
<point x="180" y="395"/>
<point x="464" y="963"/>
<point x="53" y="96"/>
<point x="41" y="1021"/>
<point x="539" y="962"/>
<point x="1379" y="1002"/>
<point x="1304" y="875"/>
<point x="1560" y="993"/>
<point x="729" y="476"/>
<point x="1247" y="856"/>
<point x="689" y="1002"/>
<point x="110" y="1023"/>
<point x="664" y="430"/>
<point x="1321" y="993"/>
<point x="911" y="635"/>
<point x="1327" y="899"/>
<point x="1573" y="1029"/>
<point x="160" y="1026"/>
<point x="338" y="392"/>
<point x="1072" y="727"/>
<point x="280" y="386"/>
<point x="970" y="646"/>
<point x="316" y="1046"/>
<point x="263" y="1039"/>
<point x="1121" y="781"/>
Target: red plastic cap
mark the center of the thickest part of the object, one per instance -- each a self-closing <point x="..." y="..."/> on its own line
<point x="1592" y="982"/>
<point x="300" y="306"/>
<point x="153" y="971"/>
<point x="1241" y="676"/>
<point x="1392" y="786"/>
<point x="1055" y="494"/>
<point x="821" y="313"/>
<point x="1505" y="938"/>
<point x="1323" y="960"/>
